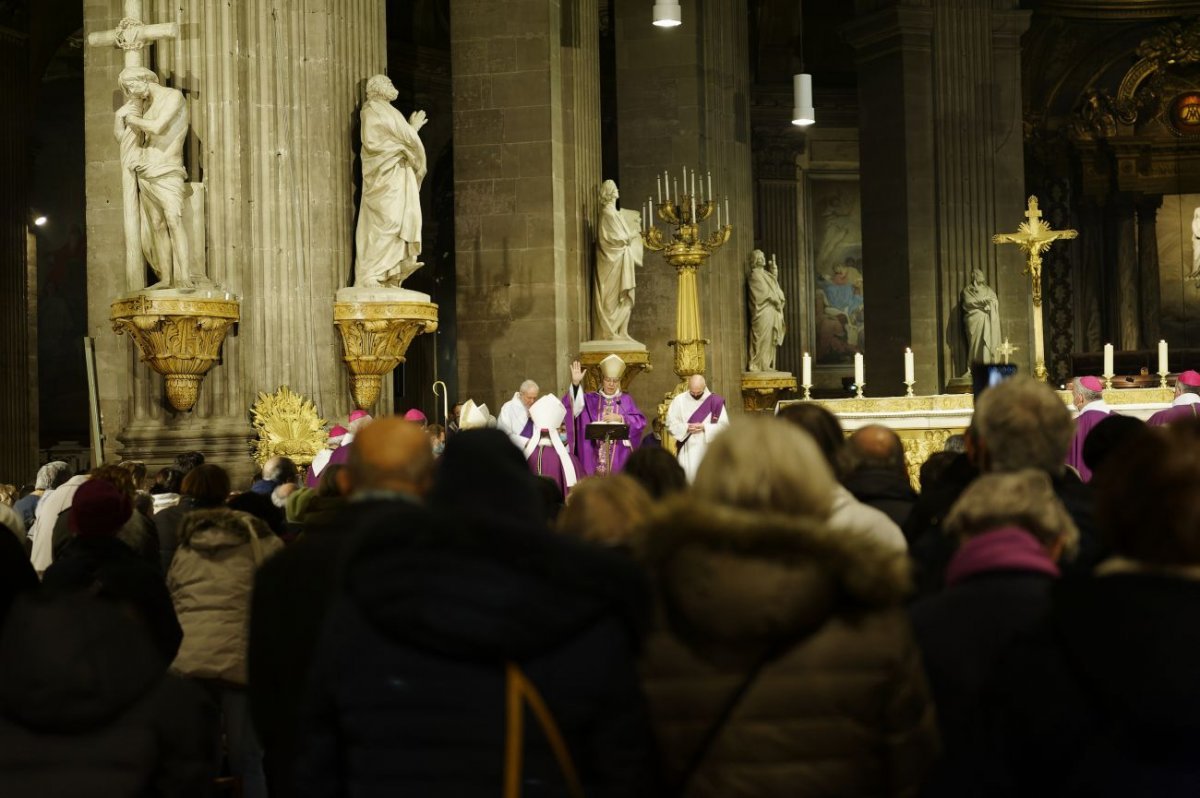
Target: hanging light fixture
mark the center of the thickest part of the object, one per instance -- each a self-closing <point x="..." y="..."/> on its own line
<point x="802" y="100"/>
<point x="803" y="114"/>
<point x="667" y="13"/>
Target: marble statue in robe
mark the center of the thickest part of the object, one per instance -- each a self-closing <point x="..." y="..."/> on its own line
<point x="618" y="254"/>
<point x="766" y="300"/>
<point x="151" y="128"/>
<point x="1088" y="397"/>
<point x="694" y="420"/>
<point x="1185" y="405"/>
<point x="514" y="419"/>
<point x="981" y="320"/>
<point x="388" y="238"/>
<point x="609" y="404"/>
<point x="545" y="450"/>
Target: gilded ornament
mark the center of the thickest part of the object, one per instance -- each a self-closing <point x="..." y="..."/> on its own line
<point x="178" y="338"/>
<point x="287" y="425"/>
<point x="375" y="339"/>
<point x="762" y="393"/>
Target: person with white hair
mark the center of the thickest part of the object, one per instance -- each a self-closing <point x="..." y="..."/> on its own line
<point x="609" y="405"/>
<point x="514" y="420"/>
<point x="694" y="419"/>
<point x="49" y="477"/>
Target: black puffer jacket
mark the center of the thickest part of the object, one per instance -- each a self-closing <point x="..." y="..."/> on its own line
<point x="87" y="707"/>
<point x="409" y="681"/>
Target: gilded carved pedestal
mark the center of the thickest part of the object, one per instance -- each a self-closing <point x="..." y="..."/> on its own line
<point x="761" y="390"/>
<point x="178" y="335"/>
<point x="375" y="339"/>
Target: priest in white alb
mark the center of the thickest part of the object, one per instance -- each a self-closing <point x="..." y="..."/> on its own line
<point x="694" y="419"/>
<point x="514" y="420"/>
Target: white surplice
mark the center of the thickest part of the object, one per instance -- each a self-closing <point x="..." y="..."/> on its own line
<point x="512" y="420"/>
<point x="692" y="452"/>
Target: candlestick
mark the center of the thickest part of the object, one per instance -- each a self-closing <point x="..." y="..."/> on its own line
<point x="675" y="191"/>
<point x="858" y="371"/>
<point x="667" y="184"/>
<point x="693" y="209"/>
<point x="806" y="370"/>
<point x="909" y="367"/>
<point x="658" y="180"/>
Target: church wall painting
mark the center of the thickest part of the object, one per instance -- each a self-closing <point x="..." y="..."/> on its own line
<point x="836" y="256"/>
<point x="1178" y="228"/>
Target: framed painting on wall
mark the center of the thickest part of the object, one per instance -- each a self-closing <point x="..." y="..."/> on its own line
<point x="836" y="256"/>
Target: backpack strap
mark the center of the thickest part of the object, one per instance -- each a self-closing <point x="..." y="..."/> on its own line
<point x="518" y="691"/>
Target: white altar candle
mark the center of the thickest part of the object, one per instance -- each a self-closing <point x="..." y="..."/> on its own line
<point x="667" y="184"/>
<point x="806" y="370"/>
<point x="1162" y="357"/>
<point x="1108" y="360"/>
<point x="858" y="369"/>
<point x="909" y="366"/>
<point x="659" y="181"/>
<point x="718" y="216"/>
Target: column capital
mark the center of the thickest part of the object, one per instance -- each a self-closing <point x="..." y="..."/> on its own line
<point x="887" y="30"/>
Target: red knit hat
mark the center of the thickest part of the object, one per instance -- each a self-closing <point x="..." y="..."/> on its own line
<point x="98" y="510"/>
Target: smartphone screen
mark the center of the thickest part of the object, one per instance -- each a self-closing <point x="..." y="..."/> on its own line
<point x="985" y="375"/>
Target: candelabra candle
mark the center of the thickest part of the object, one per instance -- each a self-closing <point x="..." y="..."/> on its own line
<point x="693" y="186"/>
<point x="675" y="191"/>
<point x="658" y="180"/>
<point x="709" y="192"/>
<point x="728" y="218"/>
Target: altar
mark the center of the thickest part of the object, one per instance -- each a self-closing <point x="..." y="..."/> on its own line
<point x="925" y="422"/>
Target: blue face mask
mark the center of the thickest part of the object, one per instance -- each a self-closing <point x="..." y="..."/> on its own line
<point x="438" y="448"/>
<point x="562" y="436"/>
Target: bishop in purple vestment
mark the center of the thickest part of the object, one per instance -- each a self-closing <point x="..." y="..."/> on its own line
<point x="1088" y="396"/>
<point x="547" y="453"/>
<point x="1186" y="403"/>
<point x="607" y="404"/>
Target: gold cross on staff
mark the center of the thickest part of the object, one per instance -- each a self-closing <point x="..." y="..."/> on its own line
<point x="1034" y="237"/>
<point x="131" y="34"/>
<point x="1006" y="349"/>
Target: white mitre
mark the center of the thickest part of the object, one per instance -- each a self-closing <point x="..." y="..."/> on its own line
<point x="548" y="413"/>
<point x="612" y="367"/>
<point x="473" y="416"/>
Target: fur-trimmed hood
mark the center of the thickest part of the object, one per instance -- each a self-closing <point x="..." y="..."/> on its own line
<point x="732" y="579"/>
<point x="219" y="528"/>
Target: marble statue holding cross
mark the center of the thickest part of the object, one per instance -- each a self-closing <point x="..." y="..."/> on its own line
<point x="151" y="128"/>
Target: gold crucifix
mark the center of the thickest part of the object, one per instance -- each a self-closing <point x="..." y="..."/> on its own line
<point x="1034" y="237"/>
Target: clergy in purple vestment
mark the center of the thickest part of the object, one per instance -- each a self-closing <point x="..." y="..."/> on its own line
<point x="1088" y="396"/>
<point x="545" y="451"/>
<point x="608" y="404"/>
<point x="1184" y="405"/>
<point x="324" y="457"/>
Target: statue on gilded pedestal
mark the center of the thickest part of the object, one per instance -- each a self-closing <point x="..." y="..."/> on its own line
<point x="766" y="301"/>
<point x="151" y="128"/>
<point x="618" y="254"/>
<point x="981" y="320"/>
<point x="388" y="238"/>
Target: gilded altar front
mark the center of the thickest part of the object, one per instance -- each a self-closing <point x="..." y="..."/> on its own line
<point x="925" y="422"/>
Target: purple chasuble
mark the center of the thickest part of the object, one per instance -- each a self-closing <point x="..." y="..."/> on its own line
<point x="587" y="451"/>
<point x="1083" y="425"/>
<point x="545" y="462"/>
<point x="1173" y="415"/>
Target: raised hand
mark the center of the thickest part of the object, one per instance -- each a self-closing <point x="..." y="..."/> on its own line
<point x="576" y="373"/>
<point x="417" y="119"/>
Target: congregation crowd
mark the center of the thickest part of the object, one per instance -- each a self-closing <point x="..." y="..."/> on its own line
<point x="788" y="616"/>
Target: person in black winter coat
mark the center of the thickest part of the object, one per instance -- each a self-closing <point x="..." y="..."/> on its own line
<point x="87" y="706"/>
<point x="408" y="691"/>
<point x="1013" y="530"/>
<point x="876" y="473"/>
<point x="1102" y="699"/>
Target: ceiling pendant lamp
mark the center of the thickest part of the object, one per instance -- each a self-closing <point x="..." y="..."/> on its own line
<point x="803" y="114"/>
<point x="667" y="13"/>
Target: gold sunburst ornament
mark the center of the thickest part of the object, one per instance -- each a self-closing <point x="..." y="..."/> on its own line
<point x="288" y="426"/>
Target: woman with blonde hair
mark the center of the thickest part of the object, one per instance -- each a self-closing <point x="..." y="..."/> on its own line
<point x="608" y="510"/>
<point x="790" y="668"/>
<point x="1012" y="532"/>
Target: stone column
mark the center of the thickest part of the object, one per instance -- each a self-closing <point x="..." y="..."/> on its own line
<point x="273" y="89"/>
<point x="1124" y="226"/>
<point x="942" y="170"/>
<point x="1148" y="277"/>
<point x="526" y="172"/>
<point x="18" y="285"/>
<point x="683" y="98"/>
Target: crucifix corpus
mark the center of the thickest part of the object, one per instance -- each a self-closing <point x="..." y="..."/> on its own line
<point x="1034" y="237"/>
<point x="151" y="128"/>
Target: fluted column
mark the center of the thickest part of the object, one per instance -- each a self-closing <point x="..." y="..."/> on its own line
<point x="1124" y="226"/>
<point x="1148" y="272"/>
<point x="273" y="88"/>
<point x="18" y="318"/>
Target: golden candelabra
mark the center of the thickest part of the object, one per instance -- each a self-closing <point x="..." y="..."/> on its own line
<point x="686" y="250"/>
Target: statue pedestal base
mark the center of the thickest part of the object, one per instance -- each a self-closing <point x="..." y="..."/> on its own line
<point x="377" y="325"/>
<point x="635" y="355"/>
<point x="179" y="333"/>
<point x="761" y="390"/>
